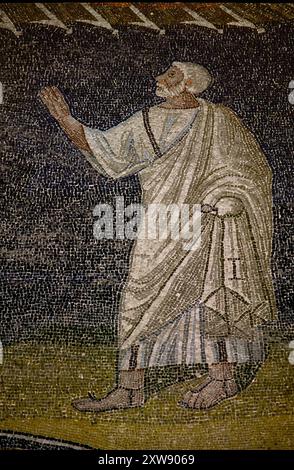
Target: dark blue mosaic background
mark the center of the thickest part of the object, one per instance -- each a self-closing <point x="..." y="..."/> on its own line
<point x="54" y="275"/>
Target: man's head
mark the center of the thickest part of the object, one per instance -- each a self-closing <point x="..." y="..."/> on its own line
<point x="183" y="76"/>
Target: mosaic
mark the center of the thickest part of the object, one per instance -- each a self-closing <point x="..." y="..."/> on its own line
<point x="146" y="217"/>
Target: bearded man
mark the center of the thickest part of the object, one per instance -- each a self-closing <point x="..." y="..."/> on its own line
<point x="203" y="306"/>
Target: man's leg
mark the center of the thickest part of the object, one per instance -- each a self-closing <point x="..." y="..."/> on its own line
<point x="129" y="392"/>
<point x="218" y="386"/>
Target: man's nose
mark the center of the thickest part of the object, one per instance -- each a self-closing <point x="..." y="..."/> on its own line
<point x="160" y="79"/>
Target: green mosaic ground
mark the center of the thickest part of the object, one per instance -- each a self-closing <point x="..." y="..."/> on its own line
<point x="38" y="383"/>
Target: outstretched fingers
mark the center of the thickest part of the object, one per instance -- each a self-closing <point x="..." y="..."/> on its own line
<point x="54" y="101"/>
<point x="46" y="96"/>
<point x="49" y="101"/>
<point x="56" y="93"/>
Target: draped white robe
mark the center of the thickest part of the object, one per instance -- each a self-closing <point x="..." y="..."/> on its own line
<point x="197" y="306"/>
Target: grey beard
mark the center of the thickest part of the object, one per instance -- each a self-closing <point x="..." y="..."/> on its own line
<point x="171" y="92"/>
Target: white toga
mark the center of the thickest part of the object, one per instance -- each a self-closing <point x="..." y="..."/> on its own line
<point x="191" y="307"/>
<point x="126" y="149"/>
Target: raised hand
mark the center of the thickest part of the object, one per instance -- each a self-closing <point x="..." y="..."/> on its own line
<point x="55" y="102"/>
<point x="229" y="206"/>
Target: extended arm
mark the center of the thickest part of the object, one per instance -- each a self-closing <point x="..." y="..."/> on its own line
<point x="117" y="152"/>
<point x="59" y="109"/>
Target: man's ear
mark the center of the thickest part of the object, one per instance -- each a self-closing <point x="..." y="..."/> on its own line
<point x="188" y="82"/>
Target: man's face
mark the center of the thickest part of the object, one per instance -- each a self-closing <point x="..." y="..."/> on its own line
<point x="170" y="83"/>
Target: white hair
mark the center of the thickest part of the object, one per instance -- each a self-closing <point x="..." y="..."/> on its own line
<point x="199" y="76"/>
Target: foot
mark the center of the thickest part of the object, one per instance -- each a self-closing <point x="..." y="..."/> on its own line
<point x="218" y="386"/>
<point x="117" y="399"/>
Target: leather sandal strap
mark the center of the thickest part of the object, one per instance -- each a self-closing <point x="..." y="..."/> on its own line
<point x="131" y="393"/>
<point x="202" y="386"/>
<point x="124" y="388"/>
<point x="221" y="380"/>
<point x="131" y="397"/>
